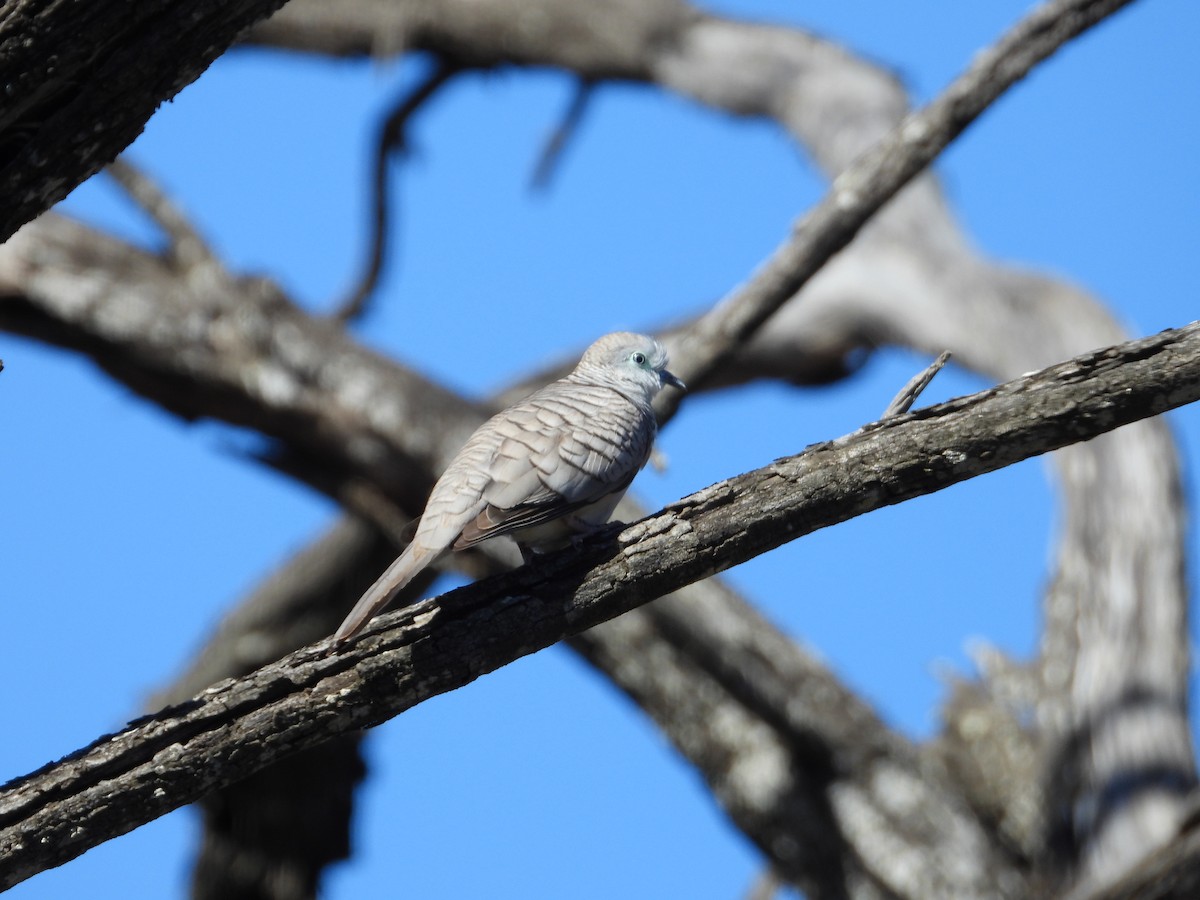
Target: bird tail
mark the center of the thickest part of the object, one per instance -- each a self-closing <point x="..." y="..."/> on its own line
<point x="380" y="594"/>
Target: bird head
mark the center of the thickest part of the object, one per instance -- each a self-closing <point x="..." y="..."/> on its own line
<point x="631" y="361"/>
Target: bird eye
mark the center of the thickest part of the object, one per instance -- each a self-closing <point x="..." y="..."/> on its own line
<point x="638" y="357"/>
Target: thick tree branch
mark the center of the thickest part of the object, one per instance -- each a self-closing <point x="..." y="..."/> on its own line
<point x="81" y="80"/>
<point x="236" y="350"/>
<point x="789" y="750"/>
<point x="824" y="325"/>
<point x="236" y="728"/>
<point x="911" y="279"/>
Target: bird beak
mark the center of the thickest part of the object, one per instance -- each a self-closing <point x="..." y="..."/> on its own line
<point x="668" y="378"/>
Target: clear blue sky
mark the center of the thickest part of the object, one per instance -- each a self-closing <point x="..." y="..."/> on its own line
<point x="126" y="533"/>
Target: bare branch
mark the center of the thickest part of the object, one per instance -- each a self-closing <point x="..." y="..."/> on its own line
<point x="908" y="394"/>
<point x="868" y="183"/>
<point x="551" y="153"/>
<point x="236" y="728"/>
<point x="188" y="248"/>
<point x="72" y="105"/>
<point x="615" y="45"/>
<point x="788" y="750"/>
<point x="236" y="350"/>
<point x="392" y="139"/>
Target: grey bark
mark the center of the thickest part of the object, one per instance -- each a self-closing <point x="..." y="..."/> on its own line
<point x="910" y="278"/>
<point x="235" y="728"/>
<point x="1107" y="684"/>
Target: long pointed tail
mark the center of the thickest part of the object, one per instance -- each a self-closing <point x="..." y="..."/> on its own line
<point x="380" y="594"/>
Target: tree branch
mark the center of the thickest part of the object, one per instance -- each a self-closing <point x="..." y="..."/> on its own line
<point x="236" y="728"/>
<point x="788" y="750"/>
<point x="802" y="344"/>
<point x="187" y="249"/>
<point x="867" y="184"/>
<point x="233" y="349"/>
<point x="81" y="82"/>
<point x="392" y="139"/>
<point x="567" y="128"/>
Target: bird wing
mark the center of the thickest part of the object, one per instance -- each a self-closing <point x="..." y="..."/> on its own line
<point x="560" y="451"/>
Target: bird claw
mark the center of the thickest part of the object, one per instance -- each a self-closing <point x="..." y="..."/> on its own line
<point x="582" y="532"/>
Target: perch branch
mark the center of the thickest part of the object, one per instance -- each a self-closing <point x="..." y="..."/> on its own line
<point x="237" y="727"/>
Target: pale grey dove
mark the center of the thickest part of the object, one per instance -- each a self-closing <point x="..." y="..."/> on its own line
<point x="553" y="466"/>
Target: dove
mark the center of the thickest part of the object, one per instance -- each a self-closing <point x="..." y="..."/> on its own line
<point x="548" y="469"/>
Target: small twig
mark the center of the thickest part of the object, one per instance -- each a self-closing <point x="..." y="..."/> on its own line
<point x="551" y="154"/>
<point x="904" y="400"/>
<point x="186" y="247"/>
<point x="392" y="139"/>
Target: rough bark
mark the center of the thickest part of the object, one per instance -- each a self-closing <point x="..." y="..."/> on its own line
<point x="1112" y="670"/>
<point x="236" y="728"/>
<point x="262" y="836"/>
<point x="81" y="80"/>
<point x="910" y="278"/>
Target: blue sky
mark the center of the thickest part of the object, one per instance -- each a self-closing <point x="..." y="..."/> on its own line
<point x="127" y="533"/>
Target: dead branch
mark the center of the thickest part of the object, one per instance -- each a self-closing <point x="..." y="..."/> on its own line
<point x="868" y="183"/>
<point x="855" y="323"/>
<point x="913" y="389"/>
<point x="393" y="139"/>
<point x="236" y="350"/>
<point x="237" y="727"/>
<point x="548" y="159"/>
<point x="80" y="84"/>
<point x="187" y="248"/>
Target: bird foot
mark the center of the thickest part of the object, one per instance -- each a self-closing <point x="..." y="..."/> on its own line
<point x="579" y="538"/>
